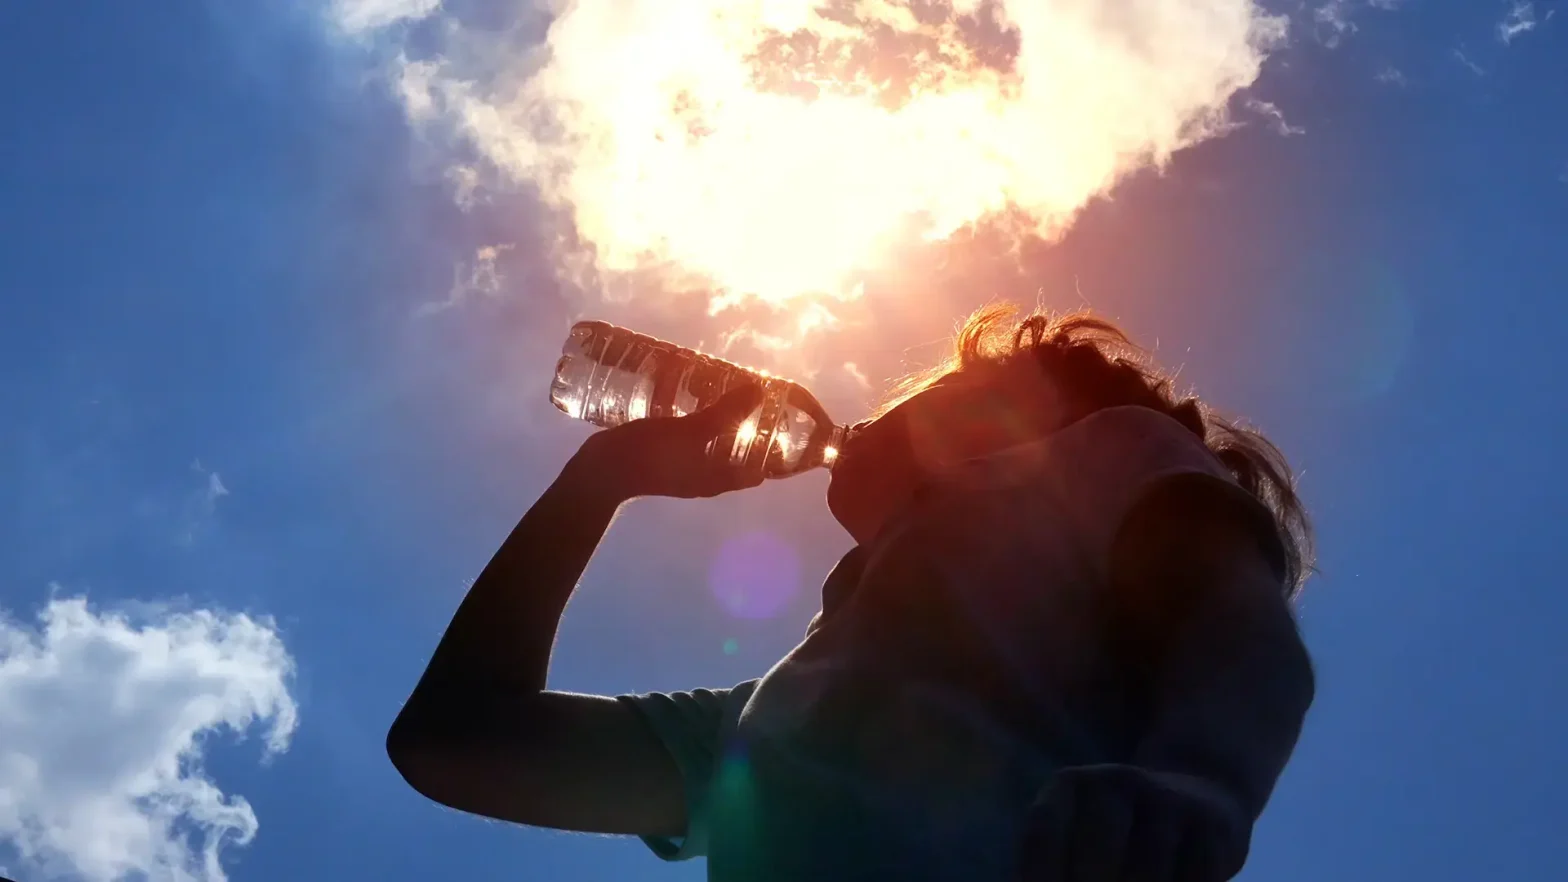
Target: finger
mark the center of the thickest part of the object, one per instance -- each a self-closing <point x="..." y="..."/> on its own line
<point x="742" y="477"/>
<point x="718" y="478"/>
<point x="1098" y="836"/>
<point x="733" y="406"/>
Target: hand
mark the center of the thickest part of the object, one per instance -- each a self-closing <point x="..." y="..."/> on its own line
<point x="668" y="456"/>
<point x="1115" y="823"/>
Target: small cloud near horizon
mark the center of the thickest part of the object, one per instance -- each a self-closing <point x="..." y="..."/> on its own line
<point x="150" y="691"/>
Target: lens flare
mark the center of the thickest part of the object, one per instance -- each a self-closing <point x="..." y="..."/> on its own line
<point x="755" y="575"/>
<point x="778" y="149"/>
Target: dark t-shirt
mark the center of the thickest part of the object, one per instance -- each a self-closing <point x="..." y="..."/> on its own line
<point x="959" y="661"/>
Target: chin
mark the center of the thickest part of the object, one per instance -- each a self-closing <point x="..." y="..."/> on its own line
<point x="859" y="503"/>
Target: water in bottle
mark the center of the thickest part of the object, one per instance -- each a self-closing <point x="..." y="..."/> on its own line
<point x="609" y="375"/>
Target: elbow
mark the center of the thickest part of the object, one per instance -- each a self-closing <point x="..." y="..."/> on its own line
<point x="421" y="744"/>
<point x="400" y="742"/>
<point x="424" y="759"/>
<point x="404" y="746"/>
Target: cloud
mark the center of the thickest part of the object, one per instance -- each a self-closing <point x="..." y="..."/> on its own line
<point x="215" y="489"/>
<point x="858" y="375"/>
<point x="1390" y="75"/>
<point x="1464" y="59"/>
<point x="1275" y="116"/>
<point x="361" y="16"/>
<point x="1333" y="22"/>
<point x="1519" y="20"/>
<point x="103" y="721"/>
<point x="479" y="276"/>
<point x="1332" y="19"/>
<point x="777" y="150"/>
<point x="200" y="506"/>
<point x="465" y="185"/>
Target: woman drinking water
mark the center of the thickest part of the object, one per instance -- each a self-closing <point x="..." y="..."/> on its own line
<point x="1062" y="648"/>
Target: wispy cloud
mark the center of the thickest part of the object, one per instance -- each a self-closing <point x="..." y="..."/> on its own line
<point x="1464" y="59"/>
<point x="1334" y="20"/>
<point x="102" y="737"/>
<point x="200" y="505"/>
<point x="1520" y="19"/>
<point x="465" y="185"/>
<point x="1390" y="75"/>
<point x="1275" y="117"/>
<point x="477" y="277"/>
<point x="857" y="375"/>
<point x="360" y="16"/>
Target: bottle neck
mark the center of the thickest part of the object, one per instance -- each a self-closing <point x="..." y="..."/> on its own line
<point x="834" y="445"/>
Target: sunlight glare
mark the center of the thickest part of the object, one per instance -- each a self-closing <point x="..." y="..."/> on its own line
<point x="780" y="150"/>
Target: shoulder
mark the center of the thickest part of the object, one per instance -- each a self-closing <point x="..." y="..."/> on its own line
<point x="1122" y="472"/>
<point x="1135" y="444"/>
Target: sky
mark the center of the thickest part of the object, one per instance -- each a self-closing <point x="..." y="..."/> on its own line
<point x="282" y="285"/>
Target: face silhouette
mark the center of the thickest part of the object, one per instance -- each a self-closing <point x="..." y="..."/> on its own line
<point x="964" y="415"/>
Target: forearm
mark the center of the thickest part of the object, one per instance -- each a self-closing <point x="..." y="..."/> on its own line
<point x="500" y="639"/>
<point x="1229" y="704"/>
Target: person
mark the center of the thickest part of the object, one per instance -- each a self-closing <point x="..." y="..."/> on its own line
<point x="1062" y="647"/>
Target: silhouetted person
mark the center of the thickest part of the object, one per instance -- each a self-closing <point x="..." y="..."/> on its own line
<point x="1062" y="649"/>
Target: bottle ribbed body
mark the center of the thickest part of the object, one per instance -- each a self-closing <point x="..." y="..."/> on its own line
<point x="609" y="375"/>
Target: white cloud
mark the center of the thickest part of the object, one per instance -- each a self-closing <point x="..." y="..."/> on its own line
<point x="103" y="719"/>
<point x="361" y="16"/>
<point x="1276" y="117"/>
<point x="747" y="149"/>
<point x="479" y="276"/>
<point x="1519" y="20"/>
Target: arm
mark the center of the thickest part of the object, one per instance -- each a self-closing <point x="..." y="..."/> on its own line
<point x="1205" y="629"/>
<point x="1230" y="679"/>
<point x="481" y="732"/>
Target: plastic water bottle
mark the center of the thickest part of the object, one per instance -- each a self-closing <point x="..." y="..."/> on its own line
<point x="609" y="375"/>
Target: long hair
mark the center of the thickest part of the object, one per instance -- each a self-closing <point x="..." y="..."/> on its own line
<point x="1097" y="366"/>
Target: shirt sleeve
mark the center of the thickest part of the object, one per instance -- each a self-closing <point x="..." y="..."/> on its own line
<point x="693" y="727"/>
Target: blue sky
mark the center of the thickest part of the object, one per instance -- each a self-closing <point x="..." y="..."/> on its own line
<point x="236" y="417"/>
